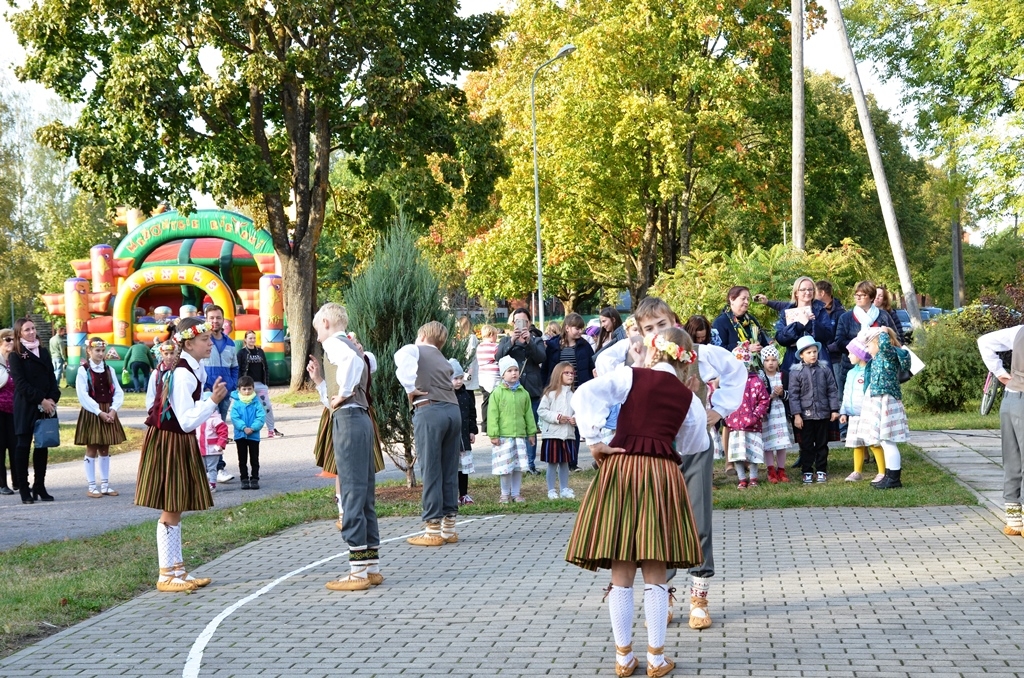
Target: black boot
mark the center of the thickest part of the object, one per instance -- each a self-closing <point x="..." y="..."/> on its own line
<point x="891" y="481"/>
<point x="39" y="467"/>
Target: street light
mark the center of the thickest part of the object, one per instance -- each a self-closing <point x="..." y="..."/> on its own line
<point x="564" y="52"/>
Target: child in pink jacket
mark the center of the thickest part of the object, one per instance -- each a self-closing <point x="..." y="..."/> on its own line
<point x="213" y="436"/>
<point x="746" y="449"/>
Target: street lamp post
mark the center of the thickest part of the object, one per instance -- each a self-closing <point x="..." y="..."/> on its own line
<point x="564" y="52"/>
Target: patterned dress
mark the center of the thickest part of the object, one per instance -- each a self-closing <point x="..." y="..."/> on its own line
<point x="745" y="443"/>
<point x="777" y="432"/>
<point x="882" y="416"/>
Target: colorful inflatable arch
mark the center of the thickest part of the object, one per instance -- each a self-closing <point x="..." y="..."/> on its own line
<point x="170" y="260"/>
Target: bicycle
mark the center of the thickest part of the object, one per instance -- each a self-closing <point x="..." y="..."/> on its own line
<point x="990" y="393"/>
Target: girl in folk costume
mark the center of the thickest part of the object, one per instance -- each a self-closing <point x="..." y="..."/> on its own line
<point x="777" y="432"/>
<point x="172" y="475"/>
<point x="98" y="427"/>
<point x="558" y="430"/>
<point x="637" y="509"/>
<point x="746" y="448"/>
<point x="883" y="421"/>
<point x="850" y="411"/>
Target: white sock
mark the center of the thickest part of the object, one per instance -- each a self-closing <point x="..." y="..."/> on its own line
<point x="656" y="613"/>
<point x="163" y="545"/>
<point x="620" y="608"/>
<point x="517" y="483"/>
<point x="506" y="483"/>
<point x="90" y="472"/>
<point x="177" y="559"/>
<point x="104" y="464"/>
<point x="341" y="511"/>
<point x="893" y="460"/>
<point x="699" y="589"/>
<point x="1013" y="516"/>
<point x="357" y="569"/>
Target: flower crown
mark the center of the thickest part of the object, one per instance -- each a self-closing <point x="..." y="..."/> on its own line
<point x="192" y="332"/>
<point x="630" y="323"/>
<point x="671" y="349"/>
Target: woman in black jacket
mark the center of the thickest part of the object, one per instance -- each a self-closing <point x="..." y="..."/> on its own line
<point x="35" y="395"/>
<point x="252" y="362"/>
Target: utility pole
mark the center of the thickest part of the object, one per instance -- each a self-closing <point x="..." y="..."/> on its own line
<point x="899" y="255"/>
<point x="958" y="256"/>
<point x="799" y="160"/>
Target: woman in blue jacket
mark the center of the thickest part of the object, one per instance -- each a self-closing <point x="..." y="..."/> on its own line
<point x="818" y="325"/>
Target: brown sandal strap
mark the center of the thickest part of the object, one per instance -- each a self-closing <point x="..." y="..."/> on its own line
<point x="655" y="650"/>
<point x="623" y="650"/>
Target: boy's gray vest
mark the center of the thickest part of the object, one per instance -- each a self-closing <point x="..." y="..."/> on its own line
<point x="358" y="396"/>
<point x="1017" y="363"/>
<point x="434" y="375"/>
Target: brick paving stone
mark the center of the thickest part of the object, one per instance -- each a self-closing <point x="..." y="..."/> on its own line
<point x="806" y="593"/>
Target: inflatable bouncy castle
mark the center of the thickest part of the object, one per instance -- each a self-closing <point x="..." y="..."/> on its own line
<point x="173" y="261"/>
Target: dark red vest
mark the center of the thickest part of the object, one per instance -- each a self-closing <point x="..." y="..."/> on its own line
<point x="101" y="388"/>
<point x="171" y="423"/>
<point x="650" y="418"/>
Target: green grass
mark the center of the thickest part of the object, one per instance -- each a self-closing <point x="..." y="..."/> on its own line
<point x="954" y="421"/>
<point x="46" y="588"/>
<point x="68" y="451"/>
<point x="296" y="398"/>
<point x="132" y="401"/>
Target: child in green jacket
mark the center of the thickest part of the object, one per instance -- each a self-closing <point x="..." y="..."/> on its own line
<point x="510" y="424"/>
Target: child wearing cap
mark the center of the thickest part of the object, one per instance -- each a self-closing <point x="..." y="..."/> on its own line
<point x="813" y="402"/>
<point x="777" y="432"/>
<point x="467" y="408"/>
<point x="883" y="420"/>
<point x="746" y="448"/>
<point x="849" y="413"/>
<point x="510" y="425"/>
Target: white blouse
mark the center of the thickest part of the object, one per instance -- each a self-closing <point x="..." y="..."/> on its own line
<point x="82" y="388"/>
<point x="712" y="362"/>
<point x="593" y="401"/>
<point x="189" y="413"/>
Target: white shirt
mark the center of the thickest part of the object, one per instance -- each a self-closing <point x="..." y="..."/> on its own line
<point x="712" y="362"/>
<point x="350" y="370"/>
<point x="189" y="413"/>
<point x="82" y="388"/>
<point x="992" y="343"/>
<point x="407" y="365"/>
<point x="593" y="401"/>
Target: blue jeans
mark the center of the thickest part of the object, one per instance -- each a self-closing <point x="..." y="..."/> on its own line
<point x="531" y="450"/>
<point x="140" y="376"/>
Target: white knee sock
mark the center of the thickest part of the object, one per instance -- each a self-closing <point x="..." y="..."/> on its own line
<point x="620" y="608"/>
<point x="1013" y="516"/>
<point x="90" y="472"/>
<point x="357" y="568"/>
<point x="104" y="464"/>
<point x="656" y="613"/>
<point x="517" y="483"/>
<point x="174" y="531"/>
<point x="893" y="460"/>
<point x="163" y="545"/>
<point x="506" y="483"/>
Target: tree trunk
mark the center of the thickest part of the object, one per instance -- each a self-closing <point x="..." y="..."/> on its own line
<point x="298" y="275"/>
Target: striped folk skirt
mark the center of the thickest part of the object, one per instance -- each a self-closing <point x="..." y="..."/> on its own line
<point x="554" y="451"/>
<point x="323" y="450"/>
<point x="636" y="509"/>
<point x="172" y="473"/>
<point x="92" y="431"/>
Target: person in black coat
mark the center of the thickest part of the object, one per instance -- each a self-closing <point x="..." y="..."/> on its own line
<point x="467" y="408"/>
<point x="526" y="347"/>
<point x="35" y="395"/>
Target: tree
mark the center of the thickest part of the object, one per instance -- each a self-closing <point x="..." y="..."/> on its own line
<point x="388" y="302"/>
<point x="663" y="116"/>
<point x="296" y="81"/>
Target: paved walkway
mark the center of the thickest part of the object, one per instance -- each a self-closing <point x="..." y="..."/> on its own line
<point x="974" y="457"/>
<point x="800" y="592"/>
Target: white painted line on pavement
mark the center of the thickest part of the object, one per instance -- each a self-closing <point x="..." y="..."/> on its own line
<point x="195" y="655"/>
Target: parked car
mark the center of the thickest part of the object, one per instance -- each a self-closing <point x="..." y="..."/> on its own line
<point x="908" y="329"/>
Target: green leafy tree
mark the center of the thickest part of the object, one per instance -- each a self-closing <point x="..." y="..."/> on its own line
<point x="988" y="269"/>
<point x="71" y="238"/>
<point x="387" y="303"/>
<point x="296" y="82"/>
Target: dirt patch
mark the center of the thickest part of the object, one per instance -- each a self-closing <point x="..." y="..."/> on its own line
<point x="399" y="493"/>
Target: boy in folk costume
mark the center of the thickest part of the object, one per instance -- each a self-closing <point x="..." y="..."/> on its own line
<point x="172" y="476"/>
<point x="652" y="316"/>
<point x="1011" y="415"/>
<point x="426" y="376"/>
<point x="98" y="426"/>
<point x="352" y="438"/>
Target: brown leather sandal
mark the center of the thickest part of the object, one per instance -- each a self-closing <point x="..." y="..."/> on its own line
<point x="625" y="669"/>
<point x="657" y="671"/>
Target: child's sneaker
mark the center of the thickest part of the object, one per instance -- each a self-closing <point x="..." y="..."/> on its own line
<point x="808" y="478"/>
<point x="822" y="477"/>
<point x="854" y="477"/>
<point x="213" y="487"/>
<point x="552" y="494"/>
<point x="742" y="485"/>
<point x="503" y="499"/>
<point x="467" y="500"/>
<point x="567" y="493"/>
<point x="752" y="482"/>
